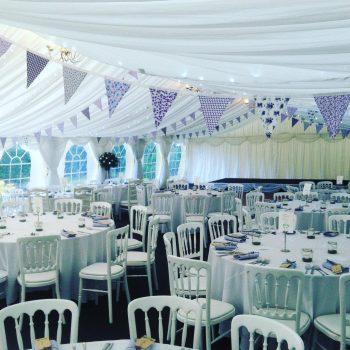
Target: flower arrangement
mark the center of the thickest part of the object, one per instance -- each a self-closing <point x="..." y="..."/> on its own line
<point x="108" y="160"/>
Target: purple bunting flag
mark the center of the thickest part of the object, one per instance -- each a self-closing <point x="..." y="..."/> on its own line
<point x="135" y="138"/>
<point x="161" y="102"/>
<point x="72" y="78"/>
<point x="117" y="139"/>
<point x="134" y="74"/>
<point x="164" y="130"/>
<point x="190" y="135"/>
<point x="217" y="128"/>
<point x="193" y="116"/>
<point x="49" y="131"/>
<point x="154" y="134"/>
<point x="4" y="46"/>
<point x="213" y="108"/>
<point x="60" y="127"/>
<point x="345" y="133"/>
<point x="223" y="125"/>
<point x="333" y="109"/>
<point x="74" y="120"/>
<point x="98" y="139"/>
<point x="203" y="132"/>
<point x="3" y="141"/>
<point x="245" y="115"/>
<point x="238" y="119"/>
<point x="126" y="139"/>
<point x="284" y="116"/>
<point x="291" y="111"/>
<point x="37" y="136"/>
<point x="173" y="125"/>
<point x="294" y="121"/>
<point x="115" y="92"/>
<point x="306" y="125"/>
<point x="319" y="127"/>
<point x="252" y="111"/>
<point x="183" y="121"/>
<point x="98" y="103"/>
<point x="86" y="112"/>
<point x="35" y="65"/>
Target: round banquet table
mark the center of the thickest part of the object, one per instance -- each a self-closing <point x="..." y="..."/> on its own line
<point x="312" y="214"/>
<point x="320" y="292"/>
<point x="122" y="344"/>
<point x="86" y="248"/>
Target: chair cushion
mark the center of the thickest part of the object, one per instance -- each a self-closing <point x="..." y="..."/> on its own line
<point x="163" y="219"/>
<point x="215" y="213"/>
<point x="195" y="218"/>
<point x="137" y="258"/>
<point x="330" y="326"/>
<point x="40" y="278"/>
<point x="126" y="203"/>
<point x="100" y="269"/>
<point x="219" y="311"/>
<point x="134" y="243"/>
<point x="3" y="276"/>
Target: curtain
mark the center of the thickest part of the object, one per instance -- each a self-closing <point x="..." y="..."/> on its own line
<point x="138" y="147"/>
<point x="285" y="157"/>
<point x="164" y="146"/>
<point x="52" y="150"/>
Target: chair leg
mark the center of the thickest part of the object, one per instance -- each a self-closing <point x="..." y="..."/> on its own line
<point x="169" y="327"/>
<point x="23" y="298"/>
<point x="110" y="313"/>
<point x="126" y="288"/>
<point x="149" y="277"/>
<point x="80" y="295"/>
<point x="118" y="290"/>
<point x="314" y="340"/>
<point x="207" y="337"/>
<point x="155" y="275"/>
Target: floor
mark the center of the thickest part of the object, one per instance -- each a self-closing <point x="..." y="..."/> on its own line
<point x="94" y="325"/>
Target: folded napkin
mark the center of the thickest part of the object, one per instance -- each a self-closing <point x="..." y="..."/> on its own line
<point x="246" y="256"/>
<point x="100" y="224"/>
<point x="330" y="234"/>
<point x="225" y="247"/>
<point x="335" y="267"/>
<point x="288" y="264"/>
<point x="235" y="239"/>
<point x="68" y="234"/>
<point x="99" y="217"/>
<point x="299" y="209"/>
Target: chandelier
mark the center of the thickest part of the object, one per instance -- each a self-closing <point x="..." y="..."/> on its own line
<point x="63" y="54"/>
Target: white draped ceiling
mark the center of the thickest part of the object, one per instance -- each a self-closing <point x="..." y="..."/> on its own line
<point x="235" y="48"/>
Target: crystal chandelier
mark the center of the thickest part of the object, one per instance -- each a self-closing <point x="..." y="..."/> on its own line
<point x="63" y="54"/>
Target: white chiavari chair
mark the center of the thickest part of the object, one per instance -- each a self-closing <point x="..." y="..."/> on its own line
<point x="264" y="327"/>
<point x="238" y="212"/>
<point x="138" y="227"/>
<point x="269" y="222"/>
<point x="237" y="189"/>
<point x="112" y="270"/>
<point x="141" y="195"/>
<point x="3" y="280"/>
<point x="189" y="308"/>
<point x="251" y="198"/>
<point x="324" y="185"/>
<point x="339" y="223"/>
<point x="170" y="243"/>
<point x="263" y="207"/>
<point x="221" y="225"/>
<point x="292" y="189"/>
<point x="340" y="197"/>
<point x="302" y="183"/>
<point x="31" y="308"/>
<point x="227" y="204"/>
<point x="131" y="199"/>
<point x="190" y="237"/>
<point x="101" y="209"/>
<point x="281" y="196"/>
<point x="86" y="194"/>
<point x="306" y="197"/>
<point x="162" y="207"/>
<point x="69" y="205"/>
<point x="42" y="193"/>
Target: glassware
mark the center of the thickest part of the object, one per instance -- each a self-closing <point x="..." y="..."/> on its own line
<point x="310" y="233"/>
<point x="307" y="254"/>
<point x="38" y="225"/>
<point x="256" y="239"/>
<point x="2" y="223"/>
<point x="81" y="222"/>
<point x="332" y="247"/>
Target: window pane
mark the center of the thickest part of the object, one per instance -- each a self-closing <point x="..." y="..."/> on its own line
<point x="75" y="164"/>
<point x="174" y="159"/>
<point x="120" y="153"/>
<point x="149" y="161"/>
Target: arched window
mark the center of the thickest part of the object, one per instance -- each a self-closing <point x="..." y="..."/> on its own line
<point x="119" y="151"/>
<point x="149" y="161"/>
<point x="75" y="166"/>
<point x="174" y="159"/>
<point x="15" y="166"/>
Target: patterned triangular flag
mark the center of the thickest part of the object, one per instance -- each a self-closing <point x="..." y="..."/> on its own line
<point x="115" y="92"/>
<point x="37" y="136"/>
<point x="98" y="103"/>
<point x="135" y="138"/>
<point x="245" y="115"/>
<point x="190" y="135"/>
<point x="197" y="133"/>
<point x="319" y="127"/>
<point x="213" y="108"/>
<point x="173" y="125"/>
<point x="294" y="122"/>
<point x="35" y="65"/>
<point x="203" y="132"/>
<point x="184" y="121"/>
<point x="291" y="111"/>
<point x="217" y="128"/>
<point x="161" y="102"/>
<point x="60" y="127"/>
<point x="284" y="116"/>
<point x="345" y="133"/>
<point x="252" y="111"/>
<point x="306" y="125"/>
<point x="193" y="115"/>
<point x="98" y="139"/>
<point x="86" y="112"/>
<point x="177" y="136"/>
<point x="154" y="134"/>
<point x="3" y="141"/>
<point x="74" y="120"/>
<point x="126" y="139"/>
<point x="4" y="46"/>
<point x="49" y="131"/>
<point x="333" y="109"/>
<point x="231" y="122"/>
<point x="164" y="130"/>
<point x="224" y="125"/>
<point x="117" y="139"/>
<point x="238" y="119"/>
<point x="72" y="78"/>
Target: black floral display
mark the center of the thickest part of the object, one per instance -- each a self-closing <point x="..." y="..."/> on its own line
<point x="108" y="160"/>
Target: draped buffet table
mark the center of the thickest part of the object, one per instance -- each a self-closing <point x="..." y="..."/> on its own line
<point x="86" y="248"/>
<point x="320" y="292"/>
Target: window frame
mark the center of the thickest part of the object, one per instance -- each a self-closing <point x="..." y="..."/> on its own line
<point x="178" y="161"/>
<point x="153" y="162"/>
<point x="80" y="175"/>
<point x="115" y="172"/>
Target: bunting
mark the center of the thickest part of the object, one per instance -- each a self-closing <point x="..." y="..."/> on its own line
<point x="164" y="130"/>
<point x="193" y="116"/>
<point x="35" y="65"/>
<point x="4" y="46"/>
<point x="98" y="139"/>
<point x="284" y="116"/>
<point x="49" y="131"/>
<point x="74" y="120"/>
<point x="345" y="133"/>
<point x="173" y="125"/>
<point x="183" y="121"/>
<point x="319" y="127"/>
<point x="294" y="121"/>
<point x="60" y="127"/>
<point x="86" y="112"/>
<point x="3" y="141"/>
<point x="213" y="108"/>
<point x="306" y="125"/>
<point x="98" y="103"/>
<point x="72" y="78"/>
<point x="37" y="136"/>
<point x="134" y="74"/>
<point x="117" y="139"/>
<point x="161" y="102"/>
<point x="332" y="109"/>
<point x="291" y="111"/>
<point x="115" y="92"/>
<point x="154" y="134"/>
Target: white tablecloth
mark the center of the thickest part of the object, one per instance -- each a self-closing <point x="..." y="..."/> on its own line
<point x="76" y="253"/>
<point x="320" y="293"/>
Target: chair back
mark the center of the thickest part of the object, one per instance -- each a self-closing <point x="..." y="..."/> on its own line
<point x="152" y="237"/>
<point x="343" y="298"/>
<point x="101" y="208"/>
<point x="340" y="197"/>
<point x="221" y="225"/>
<point x="251" y="198"/>
<point x="306" y="197"/>
<point x="86" y="194"/>
<point x="263" y="207"/>
<point x="141" y="194"/>
<point x="117" y="248"/>
<point x="132" y="192"/>
<point x="227" y="202"/>
<point x="159" y="303"/>
<point x="138" y="221"/>
<point x="70" y="205"/>
<point x="292" y="189"/>
<point x="302" y="183"/>
<point x="43" y="193"/>
<point x="169" y="239"/>
<point x="43" y="306"/>
<point x="239" y="212"/>
<point x="150" y="188"/>
<point x="275" y="292"/>
<point x="195" y="205"/>
<point x="162" y="203"/>
<point x="325" y="185"/>
<point x="38" y="254"/>
<point x="339" y="223"/>
<point x="269" y="221"/>
<point x="237" y="189"/>
<point x="265" y="328"/>
<point x="191" y="240"/>
<point x="247" y="218"/>
<point x="281" y="196"/>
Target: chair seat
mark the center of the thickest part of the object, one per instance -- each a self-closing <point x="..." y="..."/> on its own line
<point x="219" y="311"/>
<point x="137" y="258"/>
<point x="38" y="279"/>
<point x="134" y="244"/>
<point x="215" y="213"/>
<point x="3" y="276"/>
<point x="330" y="326"/>
<point x="126" y="203"/>
<point x="99" y="270"/>
<point x="191" y="286"/>
<point x="196" y="218"/>
<point x="163" y="218"/>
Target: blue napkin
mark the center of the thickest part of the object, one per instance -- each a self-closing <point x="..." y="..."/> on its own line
<point x="330" y="234"/>
<point x="99" y="217"/>
<point x="99" y="224"/>
<point x="246" y="256"/>
<point x="234" y="239"/>
<point x="68" y="234"/>
<point x="226" y="247"/>
<point x="288" y="264"/>
<point x="299" y="209"/>
<point x="328" y="264"/>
